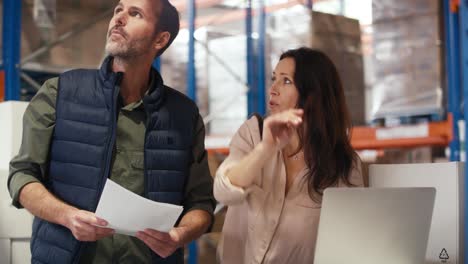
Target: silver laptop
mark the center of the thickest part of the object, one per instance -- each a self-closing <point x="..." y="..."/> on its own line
<point x="374" y="225"/>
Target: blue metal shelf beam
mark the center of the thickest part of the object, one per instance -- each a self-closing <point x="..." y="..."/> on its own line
<point x="256" y="81"/>
<point x="11" y="47"/>
<point x="261" y="106"/>
<point x="191" y="74"/>
<point x="157" y="64"/>
<point x="193" y="253"/>
<point x="452" y="55"/>
<point x="250" y="59"/>
<point x="192" y="93"/>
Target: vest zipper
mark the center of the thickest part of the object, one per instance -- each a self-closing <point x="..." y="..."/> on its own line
<point x="145" y="167"/>
<point x="111" y="140"/>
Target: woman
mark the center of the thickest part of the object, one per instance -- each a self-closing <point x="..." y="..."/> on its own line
<point x="273" y="181"/>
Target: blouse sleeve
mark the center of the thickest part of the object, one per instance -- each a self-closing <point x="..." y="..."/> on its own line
<point x="241" y="144"/>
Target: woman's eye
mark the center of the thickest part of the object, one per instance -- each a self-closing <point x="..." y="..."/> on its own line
<point x="287" y="81"/>
<point x="117" y="10"/>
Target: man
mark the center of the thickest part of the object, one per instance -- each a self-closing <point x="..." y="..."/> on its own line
<point x="119" y="122"/>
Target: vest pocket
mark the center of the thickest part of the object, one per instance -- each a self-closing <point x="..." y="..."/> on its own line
<point x="127" y="170"/>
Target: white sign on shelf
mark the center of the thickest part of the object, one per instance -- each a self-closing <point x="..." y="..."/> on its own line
<point x="415" y="131"/>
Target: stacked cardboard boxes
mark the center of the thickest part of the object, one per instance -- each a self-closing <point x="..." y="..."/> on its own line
<point x="407" y="58"/>
<point x="227" y="76"/>
<point x="174" y="67"/>
<point x="339" y="37"/>
<point x="44" y="21"/>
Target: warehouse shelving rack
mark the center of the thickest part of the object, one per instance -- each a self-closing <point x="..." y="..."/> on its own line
<point x="444" y="133"/>
<point x="456" y="31"/>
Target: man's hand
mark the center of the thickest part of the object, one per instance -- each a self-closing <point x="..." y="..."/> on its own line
<point x="192" y="225"/>
<point x="164" y="244"/>
<point x="82" y="224"/>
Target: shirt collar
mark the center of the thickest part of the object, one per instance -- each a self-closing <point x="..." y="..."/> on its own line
<point x="139" y="103"/>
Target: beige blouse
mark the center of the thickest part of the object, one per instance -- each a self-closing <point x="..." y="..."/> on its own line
<point x="262" y="225"/>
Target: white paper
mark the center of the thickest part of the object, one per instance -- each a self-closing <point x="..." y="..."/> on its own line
<point x="128" y="213"/>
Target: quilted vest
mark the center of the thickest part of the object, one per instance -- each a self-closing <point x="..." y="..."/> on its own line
<point x="82" y="146"/>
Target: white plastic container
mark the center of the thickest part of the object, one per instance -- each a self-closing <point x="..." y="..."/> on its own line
<point x="446" y="238"/>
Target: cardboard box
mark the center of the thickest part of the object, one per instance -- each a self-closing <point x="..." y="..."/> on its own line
<point x="407" y="64"/>
<point x="337" y="36"/>
<point x="403" y="156"/>
<point x="446" y="238"/>
<point x="340" y="38"/>
<point x="227" y="94"/>
<point x="337" y="43"/>
<point x="57" y="19"/>
<point x="174" y="65"/>
<point x="390" y="9"/>
<point x="393" y="58"/>
<point x="335" y="24"/>
<point x="424" y="26"/>
<point x="11" y="120"/>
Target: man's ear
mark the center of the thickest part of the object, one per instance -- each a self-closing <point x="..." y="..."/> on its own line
<point x="162" y="39"/>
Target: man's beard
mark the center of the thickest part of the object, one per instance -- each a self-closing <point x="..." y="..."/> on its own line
<point x="122" y="50"/>
<point x="128" y="49"/>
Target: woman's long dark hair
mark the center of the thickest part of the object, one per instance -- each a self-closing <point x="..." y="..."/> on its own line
<point x="325" y="133"/>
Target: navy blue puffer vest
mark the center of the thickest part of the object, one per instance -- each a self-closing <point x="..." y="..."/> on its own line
<point x="82" y="145"/>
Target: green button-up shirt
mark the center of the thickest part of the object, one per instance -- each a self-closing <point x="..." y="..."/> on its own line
<point x="31" y="165"/>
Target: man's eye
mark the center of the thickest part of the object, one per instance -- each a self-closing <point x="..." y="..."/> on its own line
<point x="136" y="14"/>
